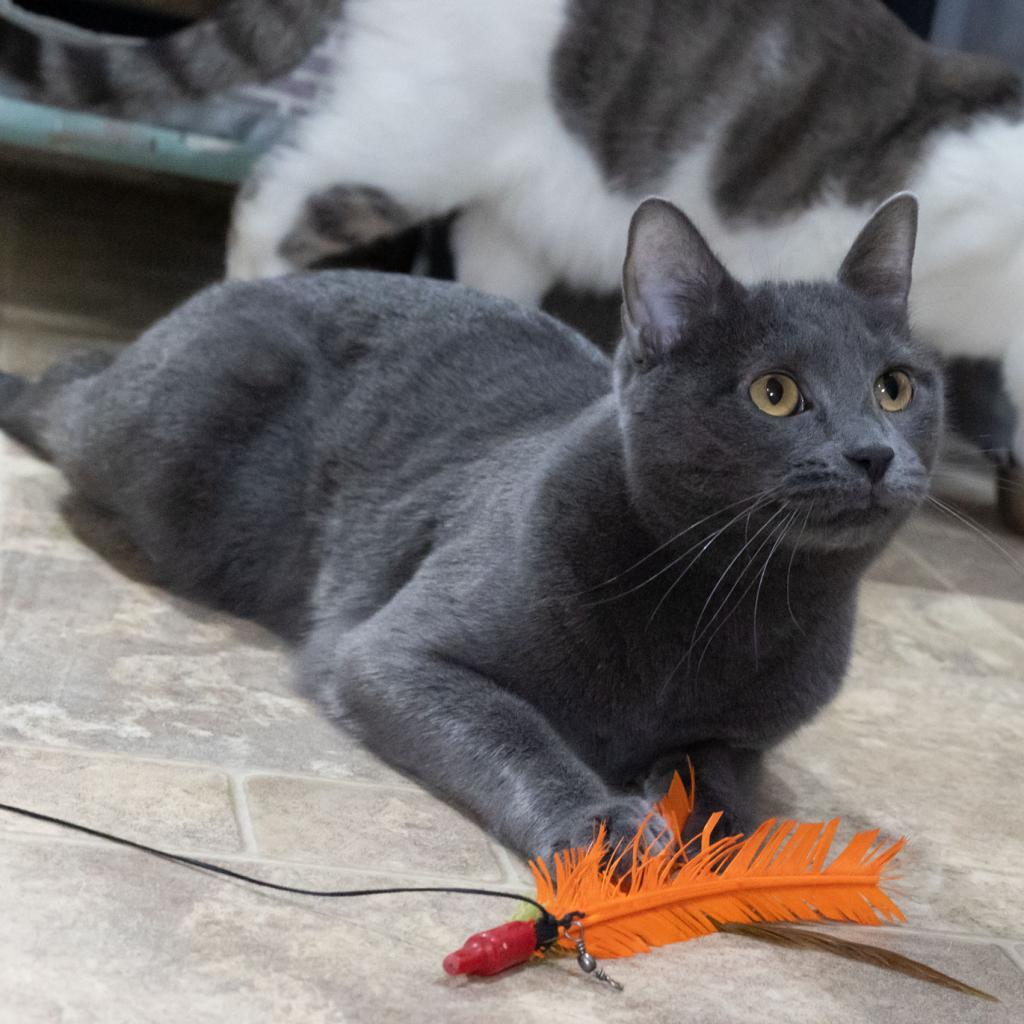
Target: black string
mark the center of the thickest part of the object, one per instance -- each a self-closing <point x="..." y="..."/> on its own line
<point x="216" y="869"/>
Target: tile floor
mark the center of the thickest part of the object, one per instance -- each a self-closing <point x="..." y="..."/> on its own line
<point x="127" y="709"/>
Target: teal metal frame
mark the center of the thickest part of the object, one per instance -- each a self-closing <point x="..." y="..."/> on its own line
<point x="127" y="143"/>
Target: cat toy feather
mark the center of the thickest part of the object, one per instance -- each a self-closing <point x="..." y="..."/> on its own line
<point x="615" y="903"/>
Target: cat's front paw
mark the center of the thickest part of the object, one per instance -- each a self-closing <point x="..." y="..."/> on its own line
<point x="622" y="818"/>
<point x="731" y="823"/>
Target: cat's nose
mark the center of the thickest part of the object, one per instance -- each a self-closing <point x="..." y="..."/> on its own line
<point x="874" y="459"/>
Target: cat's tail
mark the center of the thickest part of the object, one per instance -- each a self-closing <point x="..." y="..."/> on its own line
<point x="31" y="411"/>
<point x="239" y="41"/>
<point x="12" y="393"/>
<point x="10" y="387"/>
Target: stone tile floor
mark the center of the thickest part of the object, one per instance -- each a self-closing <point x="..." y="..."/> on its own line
<point x="127" y="709"/>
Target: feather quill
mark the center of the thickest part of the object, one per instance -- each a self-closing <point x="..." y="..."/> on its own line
<point x="862" y="952"/>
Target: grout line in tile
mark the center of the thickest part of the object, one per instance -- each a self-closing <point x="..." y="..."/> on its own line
<point x="242" y="772"/>
<point x="254" y="862"/>
<point x="507" y="862"/>
<point x="240" y="804"/>
<point x="1015" y="953"/>
<point x="245" y="775"/>
<point x="65" y="837"/>
<point x="109" y="755"/>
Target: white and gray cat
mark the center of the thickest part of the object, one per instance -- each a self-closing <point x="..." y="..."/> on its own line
<point x="779" y="125"/>
<point x="536" y="578"/>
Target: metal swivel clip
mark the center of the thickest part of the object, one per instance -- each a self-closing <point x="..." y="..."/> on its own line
<point x="587" y="964"/>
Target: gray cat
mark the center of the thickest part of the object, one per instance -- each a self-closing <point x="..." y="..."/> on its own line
<point x="537" y="579"/>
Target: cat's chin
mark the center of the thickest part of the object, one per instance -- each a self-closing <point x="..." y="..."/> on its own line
<point x="852" y="529"/>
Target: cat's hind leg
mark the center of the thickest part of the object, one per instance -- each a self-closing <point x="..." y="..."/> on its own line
<point x="10" y="387"/>
<point x="196" y="440"/>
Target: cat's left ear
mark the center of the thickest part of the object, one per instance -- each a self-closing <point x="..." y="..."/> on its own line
<point x="879" y="262"/>
<point x="670" y="277"/>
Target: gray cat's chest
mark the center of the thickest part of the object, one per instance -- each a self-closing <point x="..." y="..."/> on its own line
<point x="625" y="699"/>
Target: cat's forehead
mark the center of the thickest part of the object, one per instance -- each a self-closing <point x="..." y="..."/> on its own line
<point x="824" y="323"/>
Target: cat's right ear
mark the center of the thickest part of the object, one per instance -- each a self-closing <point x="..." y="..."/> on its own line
<point x="670" y="275"/>
<point x="879" y="262"/>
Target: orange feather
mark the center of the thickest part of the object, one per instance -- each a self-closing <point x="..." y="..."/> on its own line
<point x="635" y="899"/>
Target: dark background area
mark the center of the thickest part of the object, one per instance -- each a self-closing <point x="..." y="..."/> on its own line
<point x="918" y="14"/>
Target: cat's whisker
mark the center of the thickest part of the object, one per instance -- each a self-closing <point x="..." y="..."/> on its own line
<point x="776" y="535"/>
<point x="989" y="451"/>
<point x="959" y="474"/>
<point x="724" y="603"/>
<point x="789" y="570"/>
<point x="721" y="579"/>
<point x="764" y="572"/>
<point x="746" y="526"/>
<point x="714" y="590"/>
<point x="707" y="540"/>
<point x="753" y="499"/>
<point x="704" y="543"/>
<point x="693" y="561"/>
<point x="985" y="535"/>
<point x="1008" y="485"/>
<point x="689" y="565"/>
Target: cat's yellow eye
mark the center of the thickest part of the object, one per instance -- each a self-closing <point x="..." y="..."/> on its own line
<point x="777" y="395"/>
<point x="894" y="390"/>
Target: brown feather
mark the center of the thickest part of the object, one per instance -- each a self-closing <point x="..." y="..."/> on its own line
<point x="804" y="938"/>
